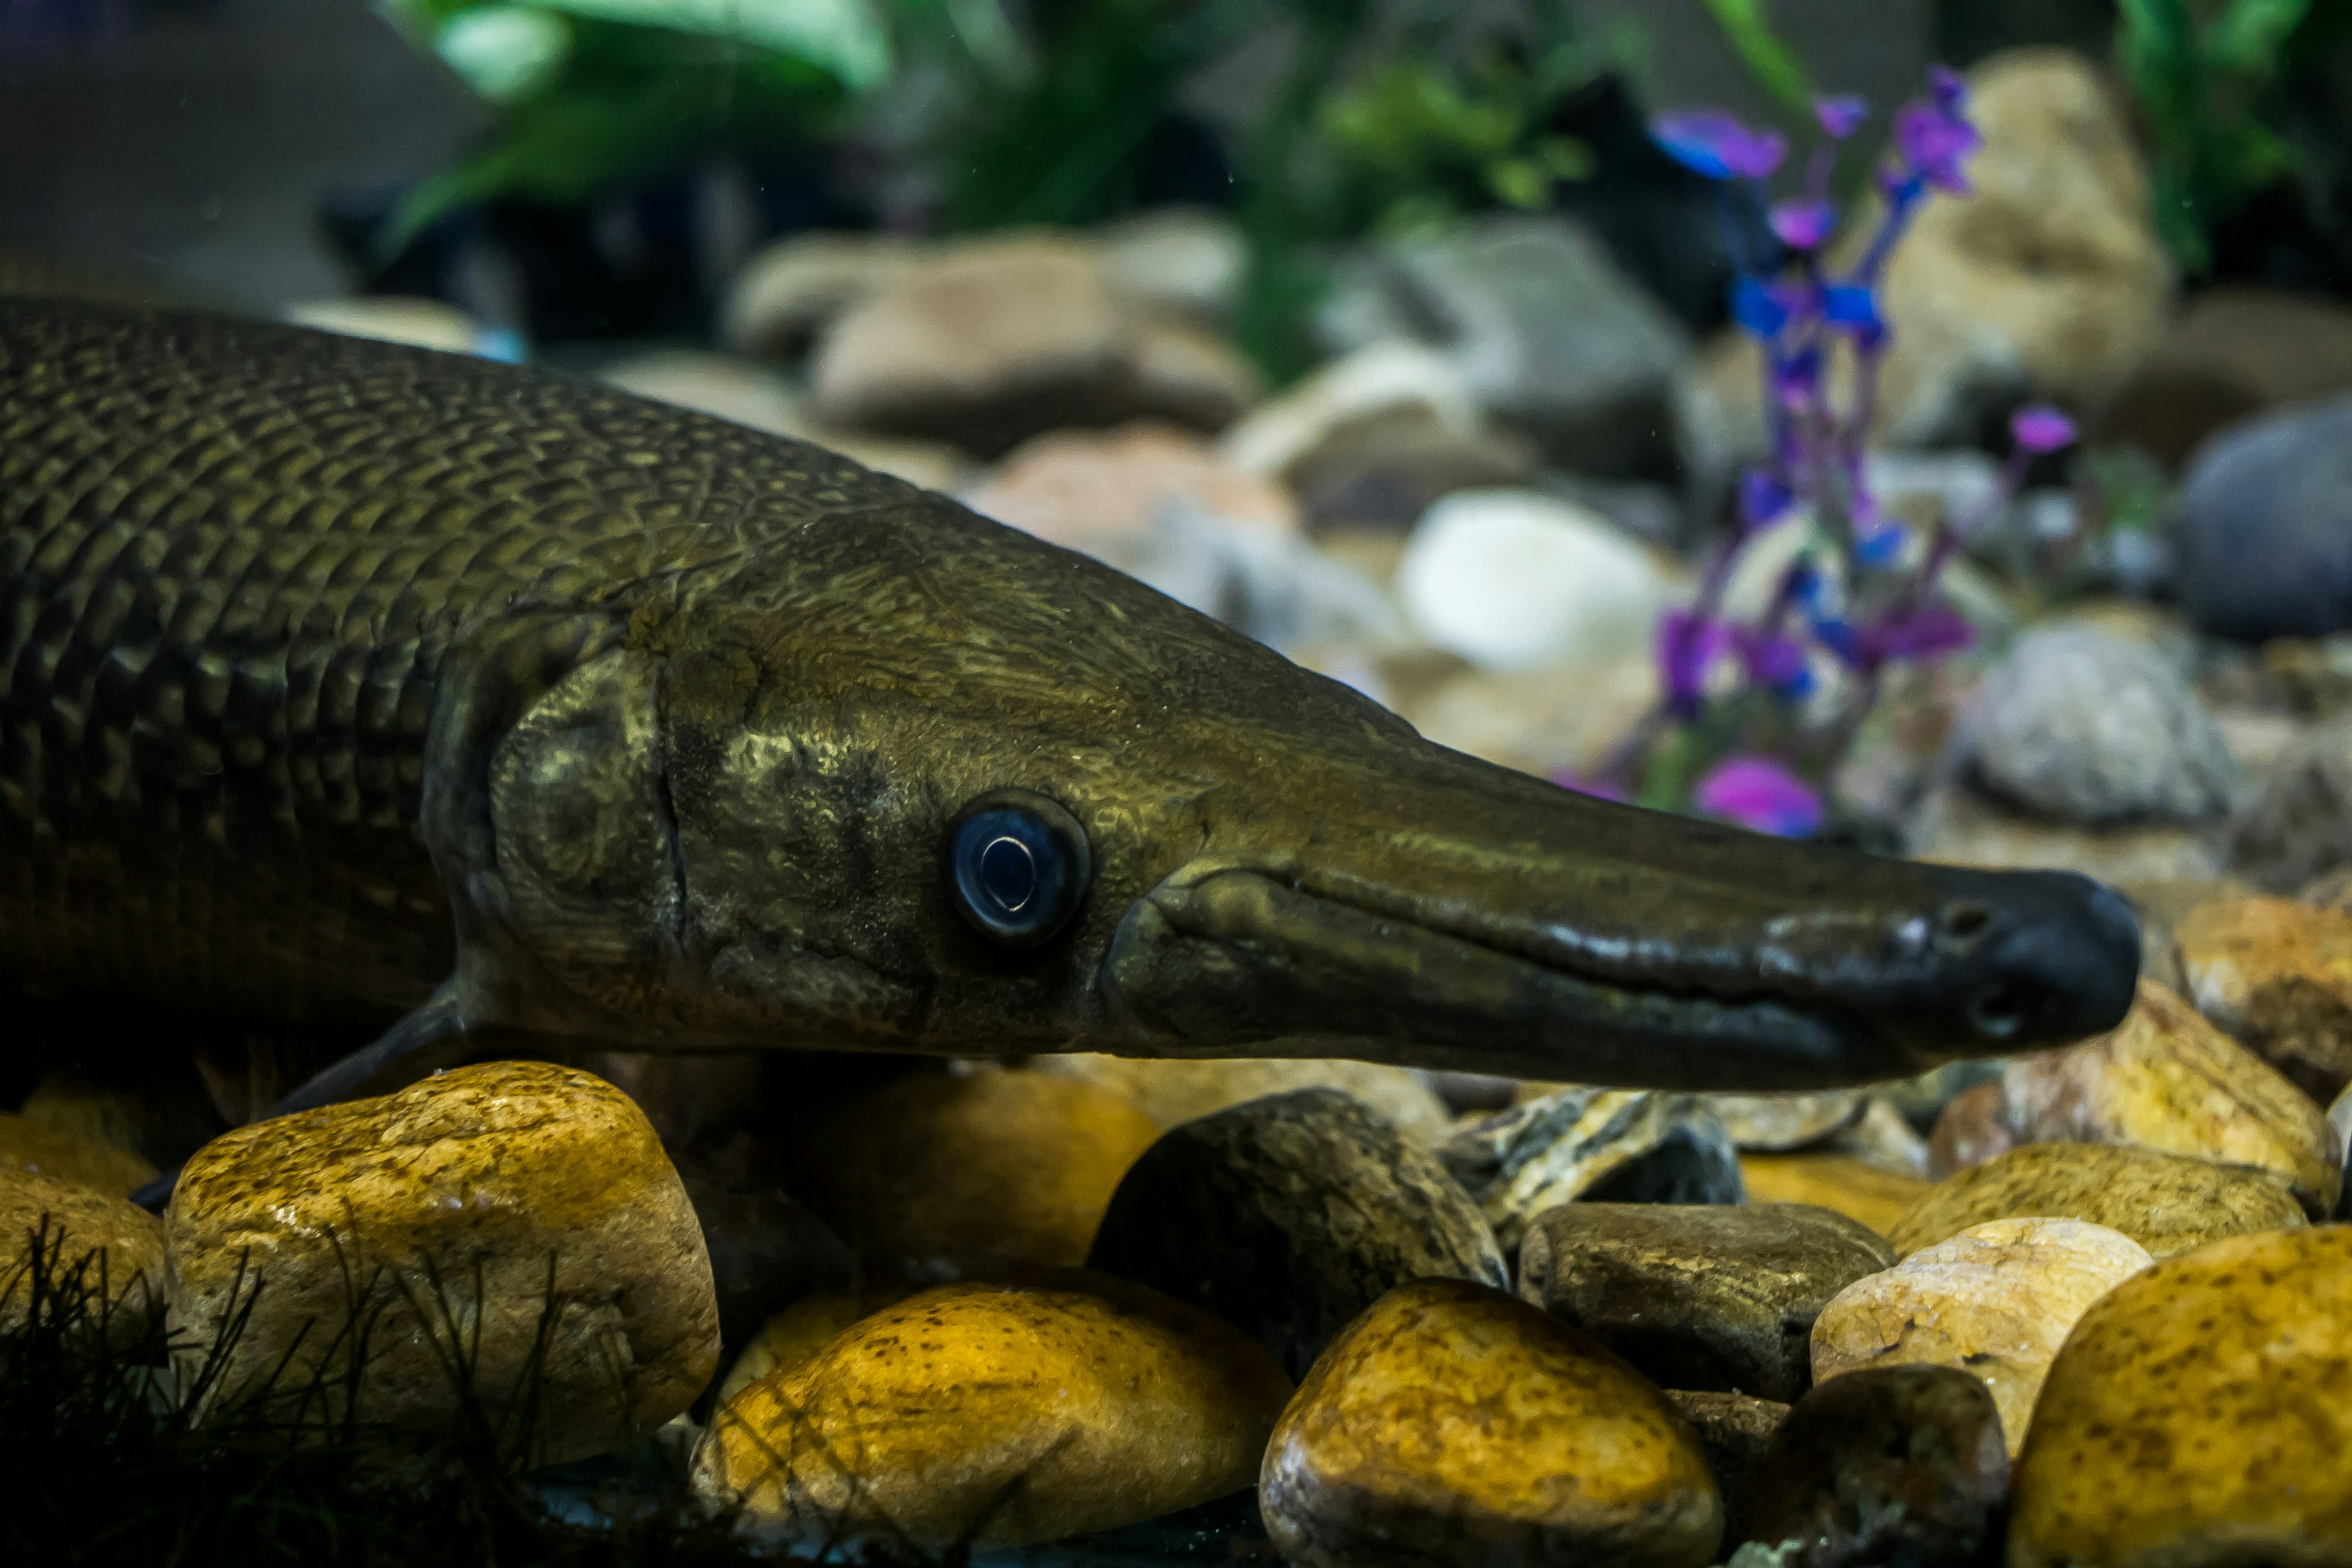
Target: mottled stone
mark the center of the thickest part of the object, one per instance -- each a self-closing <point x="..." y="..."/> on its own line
<point x="1288" y="1216"/>
<point x="37" y="1146"/>
<point x="1896" y="1465"/>
<point x="1732" y="1431"/>
<point x="937" y="1174"/>
<point x="2170" y="1081"/>
<point x="1953" y="825"/>
<point x="1995" y="1300"/>
<point x="1880" y="1136"/>
<point x="1453" y="1422"/>
<point x="2166" y="1203"/>
<point x="1777" y="1123"/>
<point x="2200" y="1416"/>
<point x="526" y="1208"/>
<point x="1861" y="1191"/>
<point x="104" y="1253"/>
<point x="1699" y="1296"/>
<point x="2277" y="977"/>
<point x="793" y="1336"/>
<point x="2296" y="822"/>
<point x="1609" y="1145"/>
<point x="996" y="1416"/>
<point x="1173" y="1090"/>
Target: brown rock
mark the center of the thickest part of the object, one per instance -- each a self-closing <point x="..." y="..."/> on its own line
<point x="1288" y="1216"/>
<point x="1953" y="827"/>
<point x="1995" y="1302"/>
<point x="70" y="1249"/>
<point x="37" y="1146"/>
<point x="1173" y="1090"/>
<point x="1733" y="1429"/>
<point x="1973" y="1129"/>
<point x="996" y="1416"/>
<point x="987" y="341"/>
<point x="1776" y="1123"/>
<point x="1096" y="491"/>
<point x="1889" y="1465"/>
<point x="2234" y="351"/>
<point x="2200" y="1415"/>
<point x="1699" y="1296"/>
<point x="1455" y="1421"/>
<point x="2276" y="976"/>
<point x="475" y="1203"/>
<point x="2166" y="1202"/>
<point x="787" y="295"/>
<point x="1844" y="1185"/>
<point x="939" y="1174"/>
<point x="2170" y="1081"/>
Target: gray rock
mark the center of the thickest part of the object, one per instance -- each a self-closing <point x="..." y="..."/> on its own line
<point x="1700" y="1296"/>
<point x="2265" y="532"/>
<point x="1547" y="332"/>
<point x="1287" y="1216"/>
<point x="1891" y="1464"/>
<point x="1610" y="1145"/>
<point x="2296" y="822"/>
<point x="2085" y="727"/>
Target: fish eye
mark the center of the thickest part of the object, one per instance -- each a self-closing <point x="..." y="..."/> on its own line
<point x="1019" y="865"/>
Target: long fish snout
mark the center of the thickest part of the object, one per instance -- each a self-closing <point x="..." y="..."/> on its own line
<point x="1550" y="936"/>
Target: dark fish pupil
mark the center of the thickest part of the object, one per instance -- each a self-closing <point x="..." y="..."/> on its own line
<point x="1009" y="872"/>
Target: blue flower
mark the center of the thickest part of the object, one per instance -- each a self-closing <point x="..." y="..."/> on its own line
<point x="1762" y="499"/>
<point x="1762" y="308"/>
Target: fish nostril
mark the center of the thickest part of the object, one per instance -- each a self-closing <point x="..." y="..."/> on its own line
<point x="2000" y="1009"/>
<point x="1964" y="921"/>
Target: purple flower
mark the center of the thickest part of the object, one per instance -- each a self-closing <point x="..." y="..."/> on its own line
<point x="1797" y="379"/>
<point x="1762" y="499"/>
<point x="1757" y="793"/>
<point x="1922" y="632"/>
<point x="1841" y="116"/>
<point x="2040" y="428"/>
<point x="1688" y="648"/>
<point x="1710" y="142"/>
<point x="1947" y="89"/>
<point x="1934" y="143"/>
<point x="1773" y="660"/>
<point x="1803" y="225"/>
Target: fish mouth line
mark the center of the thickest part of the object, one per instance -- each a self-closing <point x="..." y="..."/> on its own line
<point x="1234" y="953"/>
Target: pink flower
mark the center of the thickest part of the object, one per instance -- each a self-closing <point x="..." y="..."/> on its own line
<point x="2040" y="428"/>
<point x="1803" y="225"/>
<point x="1759" y="792"/>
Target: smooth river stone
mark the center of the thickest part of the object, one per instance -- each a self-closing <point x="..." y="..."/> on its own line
<point x="2200" y="1416"/>
<point x="1877" y="1197"/>
<point x="1175" y="1090"/>
<point x="1732" y="1431"/>
<point x="2164" y="1202"/>
<point x="1699" y="1296"/>
<point x="102" y="1254"/>
<point x="27" y="1144"/>
<point x="1777" y="1123"/>
<point x="475" y="1203"/>
<point x="935" y="1175"/>
<point x="2276" y="976"/>
<point x="1288" y="1216"/>
<point x="794" y="1335"/>
<point x="983" y="1415"/>
<point x="1995" y="1300"/>
<point x="1455" y="1424"/>
<point x="1607" y="1145"/>
<point x="2170" y="1081"/>
<point x="1891" y="1464"/>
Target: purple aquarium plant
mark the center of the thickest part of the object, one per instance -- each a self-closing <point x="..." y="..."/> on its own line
<point x="1755" y="714"/>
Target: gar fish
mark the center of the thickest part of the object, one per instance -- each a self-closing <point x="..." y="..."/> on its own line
<point x="353" y="684"/>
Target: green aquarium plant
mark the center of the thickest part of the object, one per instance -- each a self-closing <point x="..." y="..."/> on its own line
<point x="1757" y="712"/>
<point x="2210" y="78"/>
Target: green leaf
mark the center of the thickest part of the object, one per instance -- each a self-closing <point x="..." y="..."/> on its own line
<point x="1774" y="66"/>
<point x="2250" y="35"/>
<point x="845" y="37"/>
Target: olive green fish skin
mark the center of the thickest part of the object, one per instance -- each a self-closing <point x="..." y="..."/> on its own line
<point x="336" y="676"/>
